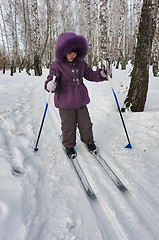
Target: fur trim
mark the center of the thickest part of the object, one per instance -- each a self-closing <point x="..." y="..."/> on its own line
<point x="68" y="42"/>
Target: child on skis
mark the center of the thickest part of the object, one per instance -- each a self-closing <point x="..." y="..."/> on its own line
<point x="71" y="95"/>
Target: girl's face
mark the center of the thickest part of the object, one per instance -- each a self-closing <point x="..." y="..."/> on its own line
<point x="71" y="56"/>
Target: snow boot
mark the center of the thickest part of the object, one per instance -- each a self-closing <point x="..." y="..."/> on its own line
<point x="92" y="147"/>
<point x="70" y="151"/>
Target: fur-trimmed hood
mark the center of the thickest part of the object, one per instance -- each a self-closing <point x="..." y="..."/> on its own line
<point x="68" y="42"/>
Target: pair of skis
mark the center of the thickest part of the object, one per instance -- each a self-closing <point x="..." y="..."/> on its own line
<point x="84" y="181"/>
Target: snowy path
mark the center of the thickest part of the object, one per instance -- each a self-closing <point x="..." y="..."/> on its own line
<point x="41" y="197"/>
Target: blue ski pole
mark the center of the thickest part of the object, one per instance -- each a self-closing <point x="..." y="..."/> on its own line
<point x="46" y="107"/>
<point x="107" y="63"/>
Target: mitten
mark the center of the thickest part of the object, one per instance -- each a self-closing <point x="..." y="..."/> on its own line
<point x="51" y="86"/>
<point x="108" y="71"/>
<point x="105" y="72"/>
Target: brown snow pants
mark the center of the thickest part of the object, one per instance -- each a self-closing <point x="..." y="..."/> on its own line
<point x="70" y="120"/>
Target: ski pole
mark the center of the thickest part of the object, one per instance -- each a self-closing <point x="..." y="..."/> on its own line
<point x="46" y="107"/>
<point x="129" y="144"/>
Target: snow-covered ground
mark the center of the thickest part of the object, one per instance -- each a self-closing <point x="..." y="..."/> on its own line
<point x="41" y="197"/>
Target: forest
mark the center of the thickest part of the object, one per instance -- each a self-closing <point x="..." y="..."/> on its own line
<point x="122" y="30"/>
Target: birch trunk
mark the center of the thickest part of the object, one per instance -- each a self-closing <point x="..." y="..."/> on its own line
<point x="3" y="51"/>
<point x="136" y="98"/>
<point x="103" y="29"/>
<point x="156" y="48"/>
<point x="121" y="38"/>
<point x="36" y="39"/>
<point x="89" y="32"/>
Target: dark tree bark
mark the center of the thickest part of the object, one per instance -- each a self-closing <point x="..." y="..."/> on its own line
<point x="156" y="47"/>
<point x="12" y="68"/>
<point x="4" y="65"/>
<point x="37" y="65"/>
<point x="136" y="98"/>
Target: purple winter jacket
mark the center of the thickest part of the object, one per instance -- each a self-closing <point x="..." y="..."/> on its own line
<point x="71" y="91"/>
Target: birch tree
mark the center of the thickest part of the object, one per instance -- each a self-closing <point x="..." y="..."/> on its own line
<point x="136" y="98"/>
<point x="3" y="49"/>
<point x="131" y="35"/>
<point x="53" y="31"/>
<point x="122" y="35"/>
<point x="103" y="29"/>
<point x="5" y="37"/>
<point x="110" y="30"/>
<point x="96" y="40"/>
<point x="13" y="29"/>
<point x="36" y="39"/>
<point x="136" y="15"/>
<point x="88" y="30"/>
<point x="46" y="19"/>
<point x="27" y="34"/>
<point x="156" y="48"/>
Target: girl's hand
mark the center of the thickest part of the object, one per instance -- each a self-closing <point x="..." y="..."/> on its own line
<point x="51" y="86"/>
<point x="108" y="71"/>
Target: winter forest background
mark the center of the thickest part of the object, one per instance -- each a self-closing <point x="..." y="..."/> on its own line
<point x="124" y="30"/>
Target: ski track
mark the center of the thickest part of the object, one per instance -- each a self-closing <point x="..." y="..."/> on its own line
<point x="121" y="204"/>
<point x="43" y="178"/>
<point x="101" y="213"/>
<point x="112" y="227"/>
<point x="96" y="209"/>
<point x="138" y="212"/>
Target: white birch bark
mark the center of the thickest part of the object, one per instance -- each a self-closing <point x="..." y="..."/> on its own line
<point x="12" y="30"/>
<point x="3" y="49"/>
<point x="36" y="39"/>
<point x="110" y="30"/>
<point x="137" y="12"/>
<point x="131" y="38"/>
<point x="156" y="48"/>
<point x="89" y="31"/>
<point x="103" y="29"/>
<point x="5" y="32"/>
<point x="121" y="37"/>
<point x="96" y="28"/>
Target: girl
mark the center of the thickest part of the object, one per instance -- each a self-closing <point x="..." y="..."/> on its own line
<point x="71" y="95"/>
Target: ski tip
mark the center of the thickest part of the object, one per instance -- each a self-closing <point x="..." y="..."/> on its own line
<point x="91" y="194"/>
<point x="128" y="146"/>
<point x="35" y="149"/>
<point x="123" y="188"/>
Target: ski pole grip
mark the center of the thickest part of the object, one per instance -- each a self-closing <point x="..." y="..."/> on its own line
<point x="54" y="78"/>
<point x="108" y="60"/>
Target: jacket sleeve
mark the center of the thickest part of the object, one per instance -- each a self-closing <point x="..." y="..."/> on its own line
<point x="53" y="70"/>
<point x="93" y="76"/>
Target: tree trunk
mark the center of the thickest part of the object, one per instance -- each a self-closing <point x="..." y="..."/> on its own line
<point x="12" y="68"/>
<point x="136" y="97"/>
<point x="121" y="38"/>
<point x="156" y="48"/>
<point x="103" y="29"/>
<point x="4" y="51"/>
<point x="36" y="39"/>
<point x="136" y="15"/>
<point x="48" y="26"/>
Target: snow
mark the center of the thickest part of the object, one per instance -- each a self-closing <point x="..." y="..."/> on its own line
<point x="41" y="197"/>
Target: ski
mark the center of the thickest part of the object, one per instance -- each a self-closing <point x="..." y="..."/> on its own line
<point x="82" y="177"/>
<point x="102" y="162"/>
